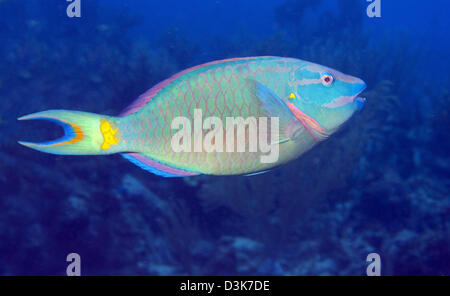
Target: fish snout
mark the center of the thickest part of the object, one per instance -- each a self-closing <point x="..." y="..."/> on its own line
<point x="359" y="86"/>
<point x="360" y="101"/>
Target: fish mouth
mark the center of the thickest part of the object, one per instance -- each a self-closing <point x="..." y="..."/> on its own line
<point x="357" y="97"/>
<point x="346" y="100"/>
<point x="360" y="101"/>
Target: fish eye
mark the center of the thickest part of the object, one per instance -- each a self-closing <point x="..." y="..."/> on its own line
<point x="327" y="79"/>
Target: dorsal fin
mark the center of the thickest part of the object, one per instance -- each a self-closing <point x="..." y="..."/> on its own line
<point x="156" y="167"/>
<point x="146" y="97"/>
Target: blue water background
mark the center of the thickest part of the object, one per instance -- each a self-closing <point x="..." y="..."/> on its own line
<point x="381" y="184"/>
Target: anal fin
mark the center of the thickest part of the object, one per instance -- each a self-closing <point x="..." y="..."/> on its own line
<point x="155" y="167"/>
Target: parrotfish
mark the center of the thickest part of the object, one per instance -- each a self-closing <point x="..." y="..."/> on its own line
<point x="304" y="102"/>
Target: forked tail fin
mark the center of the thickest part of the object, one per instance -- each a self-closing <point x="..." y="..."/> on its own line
<point x="84" y="133"/>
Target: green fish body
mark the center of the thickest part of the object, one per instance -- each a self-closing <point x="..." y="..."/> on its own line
<point x="194" y="122"/>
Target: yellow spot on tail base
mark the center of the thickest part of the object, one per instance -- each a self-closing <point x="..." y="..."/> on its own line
<point x="292" y="96"/>
<point x="109" y="134"/>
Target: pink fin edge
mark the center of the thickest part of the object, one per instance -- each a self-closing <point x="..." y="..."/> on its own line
<point x="155" y="167"/>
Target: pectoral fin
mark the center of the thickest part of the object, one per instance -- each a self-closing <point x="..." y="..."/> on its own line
<point x="275" y="107"/>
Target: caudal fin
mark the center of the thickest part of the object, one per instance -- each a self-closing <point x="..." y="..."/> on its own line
<point x="84" y="133"/>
